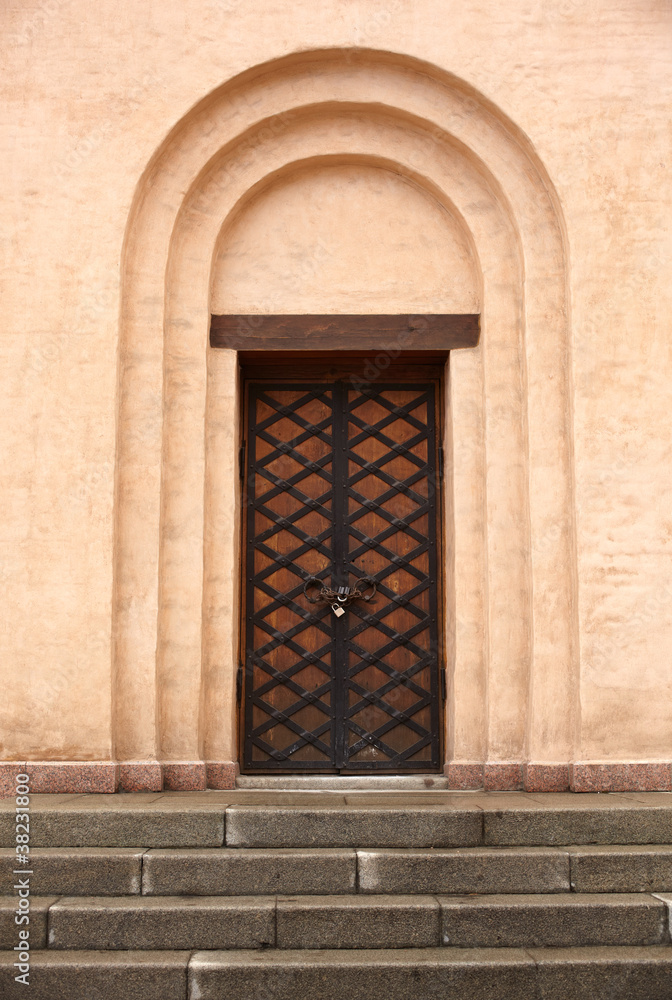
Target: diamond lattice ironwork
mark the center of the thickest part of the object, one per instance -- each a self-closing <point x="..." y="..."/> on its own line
<point x="341" y="484"/>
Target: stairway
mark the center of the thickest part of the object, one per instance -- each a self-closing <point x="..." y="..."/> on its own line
<point x="371" y="895"/>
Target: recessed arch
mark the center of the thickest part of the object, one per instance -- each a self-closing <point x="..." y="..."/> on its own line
<point x="384" y="243"/>
<point x="511" y="458"/>
<point x="218" y="192"/>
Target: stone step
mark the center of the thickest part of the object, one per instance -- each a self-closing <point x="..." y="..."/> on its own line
<point x="99" y="975"/>
<point x="243" y="872"/>
<point x="419" y="973"/>
<point x="252" y="871"/>
<point x="123" y="871"/>
<point x="316" y="922"/>
<point x="162" y="922"/>
<point x="78" y="871"/>
<point x="119" y="821"/>
<point x="555" y="921"/>
<point x="449" y="820"/>
<point x="340" y="782"/>
<point x="425" y="974"/>
<point x="349" y="826"/>
<point x="591" y="868"/>
<point x="635" y="868"/>
<point x="302" y="818"/>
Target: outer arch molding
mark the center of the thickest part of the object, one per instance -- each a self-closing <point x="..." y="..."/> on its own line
<point x="274" y="93"/>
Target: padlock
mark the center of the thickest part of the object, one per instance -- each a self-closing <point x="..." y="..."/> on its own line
<point x="338" y="610"/>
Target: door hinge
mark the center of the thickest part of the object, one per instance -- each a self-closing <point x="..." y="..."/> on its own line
<point x="440" y="461"/>
<point x="241" y="461"/>
<point x="442" y="676"/>
<point x="239" y="682"/>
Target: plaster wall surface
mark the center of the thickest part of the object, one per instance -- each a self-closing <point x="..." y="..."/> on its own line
<point x="345" y="239"/>
<point x="89" y="94"/>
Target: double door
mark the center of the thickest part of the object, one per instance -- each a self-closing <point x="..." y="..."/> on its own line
<point x="341" y="664"/>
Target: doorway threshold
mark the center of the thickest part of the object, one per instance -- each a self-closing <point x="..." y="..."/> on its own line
<point x="343" y="782"/>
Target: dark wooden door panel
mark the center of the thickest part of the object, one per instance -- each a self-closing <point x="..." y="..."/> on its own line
<point x="290" y="537"/>
<point x="392" y="677"/>
<point x="341" y="485"/>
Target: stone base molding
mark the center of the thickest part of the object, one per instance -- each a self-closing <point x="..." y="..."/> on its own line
<point x="621" y="776"/>
<point x="81" y="777"/>
<point x="140" y="776"/>
<point x="502" y="776"/>
<point x="464" y="776"/>
<point x="542" y="777"/>
<point x="221" y="773"/>
<point x="61" y="777"/>
<point x="578" y="776"/>
<point x="184" y="776"/>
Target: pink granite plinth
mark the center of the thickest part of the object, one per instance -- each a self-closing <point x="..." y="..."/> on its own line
<point x="542" y="777"/>
<point x="640" y="776"/>
<point x="184" y="776"/>
<point x="73" y="777"/>
<point x="8" y="773"/>
<point x="502" y="777"/>
<point x="140" y="776"/>
<point x="221" y="773"/>
<point x="78" y="777"/>
<point x="464" y="776"/>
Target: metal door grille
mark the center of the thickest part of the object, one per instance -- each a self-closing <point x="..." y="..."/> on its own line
<point x="341" y="484"/>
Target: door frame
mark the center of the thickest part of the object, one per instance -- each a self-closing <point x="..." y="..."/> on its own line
<point x="327" y="366"/>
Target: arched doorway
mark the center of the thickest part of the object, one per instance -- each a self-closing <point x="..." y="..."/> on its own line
<point x="512" y="650"/>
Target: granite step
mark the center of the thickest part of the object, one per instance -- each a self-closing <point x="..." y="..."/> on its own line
<point x="132" y="820"/>
<point x="369" y="825"/>
<point x="312" y="893"/>
<point x="452" y="820"/>
<point x="555" y="921"/>
<point x="341" y="782"/>
<point x="243" y="872"/>
<point x="354" y="922"/>
<point x="78" y="871"/>
<point x="123" y="871"/>
<point x="252" y="871"/>
<point x="589" y="868"/>
<point x="586" y="973"/>
<point x="350" y="818"/>
<point x="99" y="975"/>
<point x="425" y="974"/>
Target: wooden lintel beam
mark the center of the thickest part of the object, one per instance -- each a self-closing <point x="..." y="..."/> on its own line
<point x="425" y="332"/>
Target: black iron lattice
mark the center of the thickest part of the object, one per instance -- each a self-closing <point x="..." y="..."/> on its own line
<point x="357" y="721"/>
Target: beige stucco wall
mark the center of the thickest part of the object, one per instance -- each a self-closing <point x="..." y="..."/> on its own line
<point x="555" y="658"/>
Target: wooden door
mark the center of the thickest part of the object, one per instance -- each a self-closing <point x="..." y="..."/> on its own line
<point x="341" y="486"/>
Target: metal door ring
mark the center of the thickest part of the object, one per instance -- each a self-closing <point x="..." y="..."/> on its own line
<point x="344" y="595"/>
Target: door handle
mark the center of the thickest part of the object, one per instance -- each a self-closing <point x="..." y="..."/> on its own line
<point x="342" y="596"/>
